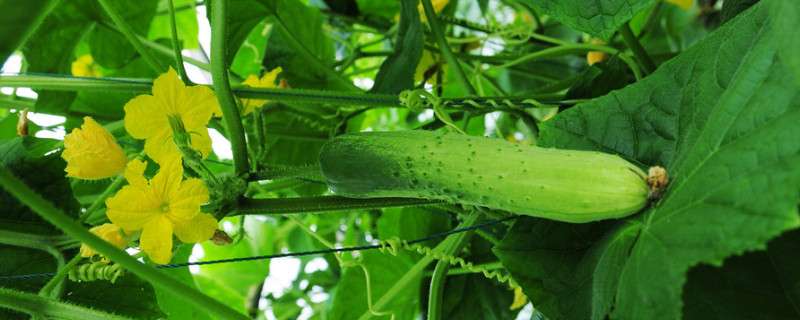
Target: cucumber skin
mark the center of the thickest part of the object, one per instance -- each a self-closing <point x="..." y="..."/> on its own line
<point x="564" y="185"/>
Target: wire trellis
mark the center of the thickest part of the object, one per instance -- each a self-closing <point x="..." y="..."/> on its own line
<point x="20" y="277"/>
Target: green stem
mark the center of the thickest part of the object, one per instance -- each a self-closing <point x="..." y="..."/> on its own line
<point x="110" y="189"/>
<point x="571" y="49"/>
<point x="415" y="271"/>
<point x="436" y="291"/>
<point x="54" y="287"/>
<point x="433" y="22"/>
<point x="34" y="25"/>
<point x="48" y="308"/>
<point x="113" y="187"/>
<point x="322" y="204"/>
<point x="176" y="45"/>
<point x="222" y="86"/>
<point x="638" y="51"/>
<point x="484" y="266"/>
<point x="129" y="34"/>
<point x="137" y="85"/>
<point x="56" y="217"/>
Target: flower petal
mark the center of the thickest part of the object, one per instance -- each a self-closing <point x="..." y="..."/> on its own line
<point x="197" y="106"/>
<point x="156" y="240"/>
<point x="92" y="153"/>
<point x="145" y="116"/>
<point x="168" y="89"/>
<point x="185" y="201"/>
<point x="132" y="207"/>
<point x="161" y="147"/>
<point x="168" y="179"/>
<point x="134" y="173"/>
<point x="108" y="232"/>
<point x="199" y="229"/>
<point x="201" y="141"/>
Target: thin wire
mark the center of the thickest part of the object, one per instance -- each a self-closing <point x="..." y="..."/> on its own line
<point x="286" y="254"/>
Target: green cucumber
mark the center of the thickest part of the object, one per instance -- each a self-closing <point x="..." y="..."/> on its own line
<point x="564" y="185"/>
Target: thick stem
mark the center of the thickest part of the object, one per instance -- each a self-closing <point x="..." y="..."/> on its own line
<point x="322" y="204"/>
<point x="638" y="51"/>
<point x="436" y="290"/>
<point x="572" y="49"/>
<point x="176" y="45"/>
<point x="433" y="22"/>
<point x="129" y="34"/>
<point x="136" y="85"/>
<point x="222" y="86"/>
<point x="47" y="308"/>
<point x="55" y="216"/>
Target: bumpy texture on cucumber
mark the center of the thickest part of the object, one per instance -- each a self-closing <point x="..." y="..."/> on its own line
<point x="563" y="185"/>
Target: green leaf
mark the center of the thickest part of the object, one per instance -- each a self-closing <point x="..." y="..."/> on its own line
<point x="302" y="48"/>
<point x="50" y="50"/>
<point x="731" y="8"/>
<point x="758" y="285"/>
<point x="44" y="173"/>
<point x="601" y="79"/>
<point x="716" y="117"/>
<point x="174" y="307"/>
<point x="397" y="71"/>
<point x="412" y="223"/>
<point x="128" y="296"/>
<point x="600" y="18"/>
<point x="242" y="16"/>
<point x="385" y="9"/>
<point x="185" y="19"/>
<point x="109" y="47"/>
<point x="19" y="20"/>
<point x="787" y="13"/>
<point x="545" y="258"/>
<point x="350" y="297"/>
<point x="232" y="282"/>
<point x="475" y="297"/>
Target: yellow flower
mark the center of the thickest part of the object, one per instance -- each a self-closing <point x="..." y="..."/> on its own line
<point x="266" y="81"/>
<point x="146" y="116"/>
<point x="92" y="153"/>
<point x="684" y="4"/>
<point x="520" y="300"/>
<point x="593" y="57"/>
<point x="108" y="232"/>
<point x="84" y="66"/>
<point x="161" y="206"/>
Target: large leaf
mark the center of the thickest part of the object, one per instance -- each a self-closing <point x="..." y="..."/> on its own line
<point x="717" y="118"/>
<point x="108" y="46"/>
<point x="397" y="71"/>
<point x="350" y="297"/>
<point x="758" y="285"/>
<point x="231" y="283"/>
<point x="597" y="17"/>
<point x="300" y="45"/>
<point x="475" y="297"/>
<point x="17" y="21"/>
<point x="786" y="14"/>
<point x="128" y="296"/>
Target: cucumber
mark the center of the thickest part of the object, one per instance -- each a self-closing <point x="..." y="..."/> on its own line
<point x="564" y="185"/>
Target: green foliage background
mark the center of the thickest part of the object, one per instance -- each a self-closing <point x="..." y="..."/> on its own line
<point x="720" y="112"/>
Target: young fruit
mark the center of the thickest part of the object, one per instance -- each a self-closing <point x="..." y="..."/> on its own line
<point x="563" y="185"/>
